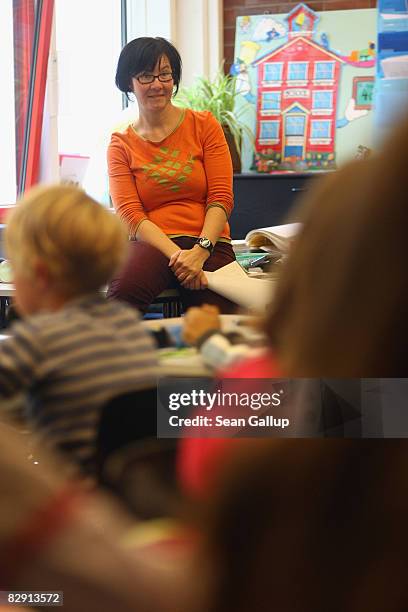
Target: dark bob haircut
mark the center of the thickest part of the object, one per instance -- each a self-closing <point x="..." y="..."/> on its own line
<point x="142" y="55"/>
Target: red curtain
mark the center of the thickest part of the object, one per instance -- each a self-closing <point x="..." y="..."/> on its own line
<point x="32" y="29"/>
<point x="23" y="31"/>
<point x="38" y="82"/>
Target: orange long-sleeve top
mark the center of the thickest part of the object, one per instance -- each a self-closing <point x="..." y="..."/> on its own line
<point x="172" y="182"/>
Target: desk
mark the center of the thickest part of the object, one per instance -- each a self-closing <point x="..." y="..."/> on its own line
<point x="168" y="298"/>
<point x="6" y="292"/>
<point x="229" y="322"/>
<point x="187" y="362"/>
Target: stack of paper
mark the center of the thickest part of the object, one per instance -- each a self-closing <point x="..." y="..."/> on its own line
<point x="277" y="237"/>
<point x="233" y="282"/>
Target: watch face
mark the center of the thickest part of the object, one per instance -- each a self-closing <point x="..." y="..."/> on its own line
<point x="205" y="243"/>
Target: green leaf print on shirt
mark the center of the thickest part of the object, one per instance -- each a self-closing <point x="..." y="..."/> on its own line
<point x="167" y="171"/>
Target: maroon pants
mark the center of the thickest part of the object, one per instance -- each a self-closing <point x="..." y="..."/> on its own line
<point x="146" y="274"/>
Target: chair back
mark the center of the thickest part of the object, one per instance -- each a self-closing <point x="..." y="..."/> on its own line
<point x="126" y="418"/>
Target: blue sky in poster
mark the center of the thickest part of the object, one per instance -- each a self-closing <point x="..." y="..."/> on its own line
<point x="345" y="32"/>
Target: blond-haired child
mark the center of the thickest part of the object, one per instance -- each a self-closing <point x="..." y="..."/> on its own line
<point x="73" y="350"/>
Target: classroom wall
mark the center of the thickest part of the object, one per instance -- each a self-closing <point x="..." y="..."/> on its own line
<point x="235" y="8"/>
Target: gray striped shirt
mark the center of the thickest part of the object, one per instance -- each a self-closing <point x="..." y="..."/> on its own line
<point x="71" y="362"/>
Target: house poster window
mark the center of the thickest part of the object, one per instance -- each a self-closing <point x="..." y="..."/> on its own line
<point x="305" y="80"/>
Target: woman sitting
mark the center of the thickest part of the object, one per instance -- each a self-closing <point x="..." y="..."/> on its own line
<point x="171" y="181"/>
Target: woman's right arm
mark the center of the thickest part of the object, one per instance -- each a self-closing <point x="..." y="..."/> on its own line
<point x="126" y="200"/>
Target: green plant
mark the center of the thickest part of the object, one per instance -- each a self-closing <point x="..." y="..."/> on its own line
<point x="218" y="96"/>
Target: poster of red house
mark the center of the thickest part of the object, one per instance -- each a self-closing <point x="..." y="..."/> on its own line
<point x="298" y="90"/>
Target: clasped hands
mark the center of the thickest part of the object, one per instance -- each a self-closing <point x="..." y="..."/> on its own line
<point x="187" y="265"/>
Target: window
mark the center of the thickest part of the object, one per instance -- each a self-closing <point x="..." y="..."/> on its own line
<point x="273" y="71"/>
<point x="82" y="104"/>
<point x="269" y="130"/>
<point x="271" y="100"/>
<point x="295" y="126"/>
<point x="323" y="100"/>
<point x="90" y="105"/>
<point x="320" y="129"/>
<point x="86" y="63"/>
<point x="324" y="71"/>
<point x="297" y="71"/>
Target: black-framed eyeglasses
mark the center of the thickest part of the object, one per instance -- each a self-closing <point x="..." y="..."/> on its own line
<point x="146" y="79"/>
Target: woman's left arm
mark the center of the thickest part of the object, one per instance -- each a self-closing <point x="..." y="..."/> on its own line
<point x="187" y="265"/>
<point x="218" y="169"/>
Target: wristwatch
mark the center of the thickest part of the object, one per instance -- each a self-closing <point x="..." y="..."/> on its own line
<point x="205" y="243"/>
